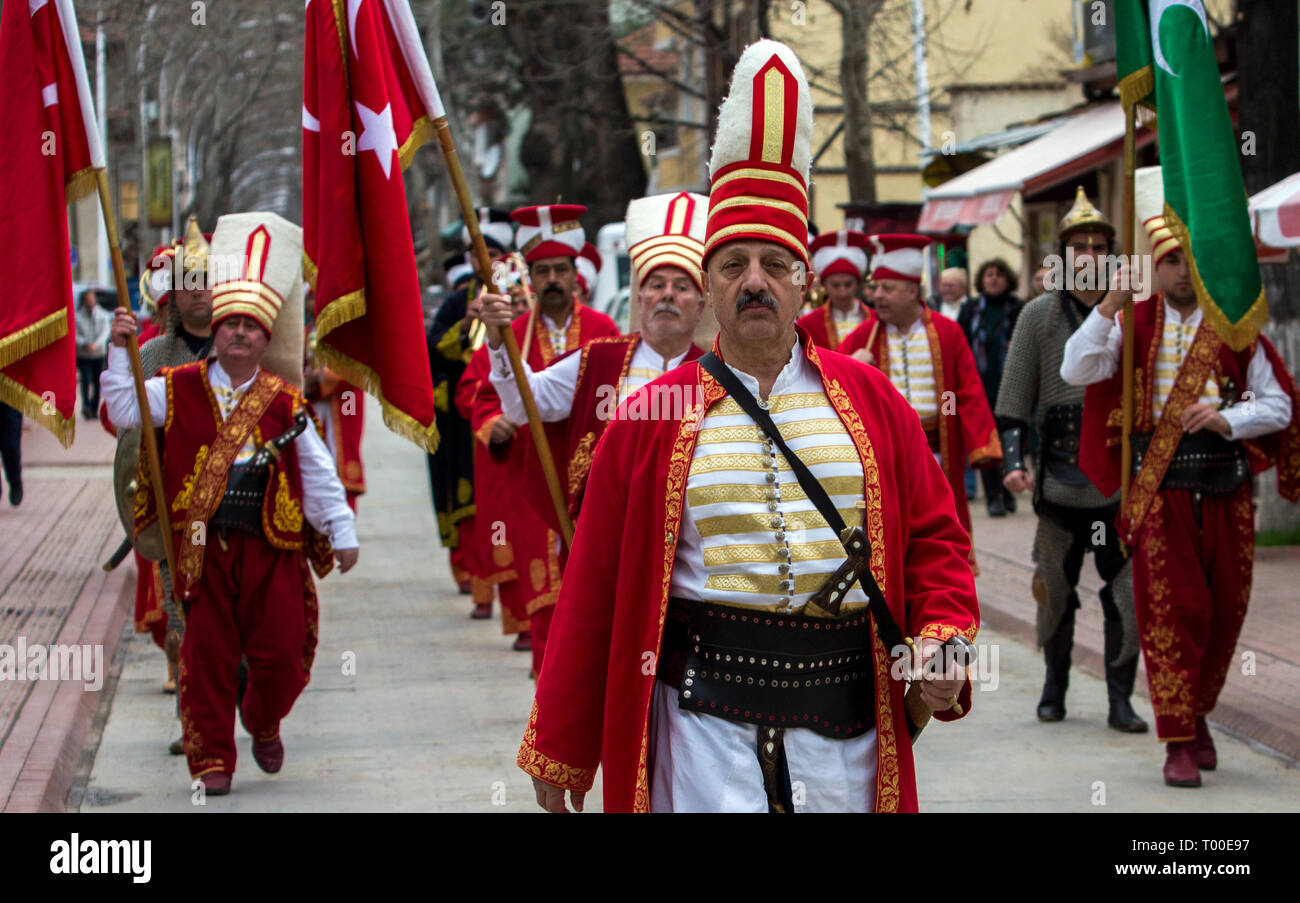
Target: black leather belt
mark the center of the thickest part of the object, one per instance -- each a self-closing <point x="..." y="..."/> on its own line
<point x="1062" y="427"/>
<point x="241" y="506"/>
<point x="1203" y="462"/>
<point x="769" y="668"/>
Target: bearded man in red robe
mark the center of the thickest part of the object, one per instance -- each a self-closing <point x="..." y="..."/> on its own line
<point x="520" y="541"/>
<point x="580" y="391"/>
<point x="696" y="537"/>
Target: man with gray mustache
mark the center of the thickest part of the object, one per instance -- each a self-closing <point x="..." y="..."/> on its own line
<point x="691" y="658"/>
<point x="578" y="394"/>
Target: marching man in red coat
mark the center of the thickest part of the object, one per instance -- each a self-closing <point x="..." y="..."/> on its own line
<point x="697" y="537"/>
<point x="580" y="391"/>
<point x="551" y="239"/>
<point x="1204" y="418"/>
<point x="253" y="495"/>
<point x="840" y="261"/>
<point x="927" y="358"/>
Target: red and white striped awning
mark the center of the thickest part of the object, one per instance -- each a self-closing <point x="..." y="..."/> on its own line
<point x="1275" y="214"/>
<point x="1077" y="145"/>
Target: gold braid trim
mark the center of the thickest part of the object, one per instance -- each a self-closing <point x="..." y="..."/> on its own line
<point x="182" y="500"/>
<point x="33" y="337"/>
<point x="309" y="271"/>
<point x="36" y="408"/>
<point x="398" y="421"/>
<point x="1238" y="335"/>
<point x="542" y="766"/>
<point x="343" y="309"/>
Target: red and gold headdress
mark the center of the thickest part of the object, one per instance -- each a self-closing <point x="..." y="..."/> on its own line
<point x="667" y="230"/>
<point x="840" y="252"/>
<point x="762" y="154"/>
<point x="1149" y="206"/>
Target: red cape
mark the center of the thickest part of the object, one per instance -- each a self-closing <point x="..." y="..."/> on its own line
<point x="968" y="433"/>
<point x="592" y="706"/>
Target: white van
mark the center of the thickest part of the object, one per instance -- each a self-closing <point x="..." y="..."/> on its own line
<point x="613" y="284"/>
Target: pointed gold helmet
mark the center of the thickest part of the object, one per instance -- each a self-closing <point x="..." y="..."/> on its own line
<point x="1083" y="215"/>
<point x="194" y="249"/>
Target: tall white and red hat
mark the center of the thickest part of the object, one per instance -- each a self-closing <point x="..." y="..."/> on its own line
<point x="896" y="256"/>
<point x="844" y="251"/>
<point x="256" y="265"/>
<point x="552" y="230"/>
<point x="762" y="154"/>
<point x="1149" y="207"/>
<point x="667" y="230"/>
<point x="588" y="265"/>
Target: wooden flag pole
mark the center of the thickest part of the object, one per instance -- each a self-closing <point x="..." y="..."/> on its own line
<point x="1126" y="366"/>
<point x="148" y="440"/>
<point x="532" y="302"/>
<point x="483" y="264"/>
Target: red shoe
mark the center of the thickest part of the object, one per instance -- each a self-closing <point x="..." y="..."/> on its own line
<point x="523" y="642"/>
<point x="1180" y="764"/>
<point x="482" y="612"/>
<point x="1207" y="759"/>
<point x="216" y="783"/>
<point x="268" y="754"/>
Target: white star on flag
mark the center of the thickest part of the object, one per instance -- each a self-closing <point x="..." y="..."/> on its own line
<point x="377" y="134"/>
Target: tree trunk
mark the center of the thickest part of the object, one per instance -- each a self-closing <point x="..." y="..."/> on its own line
<point x="856" y="17"/>
<point x="1268" y="65"/>
<point x="582" y="146"/>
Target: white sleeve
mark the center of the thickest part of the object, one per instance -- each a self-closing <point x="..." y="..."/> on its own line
<point x="1092" y="353"/>
<point x="324" y="501"/>
<point x="552" y="388"/>
<point x="117" y="387"/>
<point x="1267" y="410"/>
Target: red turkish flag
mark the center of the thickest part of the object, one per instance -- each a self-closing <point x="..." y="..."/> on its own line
<point x="369" y="102"/>
<point x="48" y="156"/>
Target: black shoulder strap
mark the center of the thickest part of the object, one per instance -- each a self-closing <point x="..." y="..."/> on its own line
<point x="890" y="633"/>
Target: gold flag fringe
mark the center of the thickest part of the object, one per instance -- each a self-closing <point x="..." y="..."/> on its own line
<point x="398" y="421"/>
<point x="37" y="409"/>
<point x="33" y="337"/>
<point x="1137" y="86"/>
<point x="1238" y="335"/>
<point x="80" y="184"/>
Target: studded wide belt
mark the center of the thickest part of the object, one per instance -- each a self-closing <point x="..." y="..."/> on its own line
<point x="241" y="506"/>
<point x="1203" y="462"/>
<point x="768" y="668"/>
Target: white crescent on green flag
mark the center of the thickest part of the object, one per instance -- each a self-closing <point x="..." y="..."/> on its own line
<point x="1165" y="60"/>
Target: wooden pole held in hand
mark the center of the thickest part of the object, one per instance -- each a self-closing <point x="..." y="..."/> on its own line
<point x="483" y="265"/>
<point x="1126" y="362"/>
<point x="148" y="441"/>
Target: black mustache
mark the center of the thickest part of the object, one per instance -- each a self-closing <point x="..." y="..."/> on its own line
<point x="762" y="298"/>
<point x="553" y="287"/>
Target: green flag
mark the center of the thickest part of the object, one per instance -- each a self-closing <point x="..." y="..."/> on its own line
<point x="1165" y="59"/>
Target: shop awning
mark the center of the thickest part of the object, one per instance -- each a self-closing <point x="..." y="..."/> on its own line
<point x="1075" y="146"/>
<point x="1275" y="214"/>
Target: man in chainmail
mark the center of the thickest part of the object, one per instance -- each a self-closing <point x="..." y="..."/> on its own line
<point x="1073" y="516"/>
<point x="176" y="283"/>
